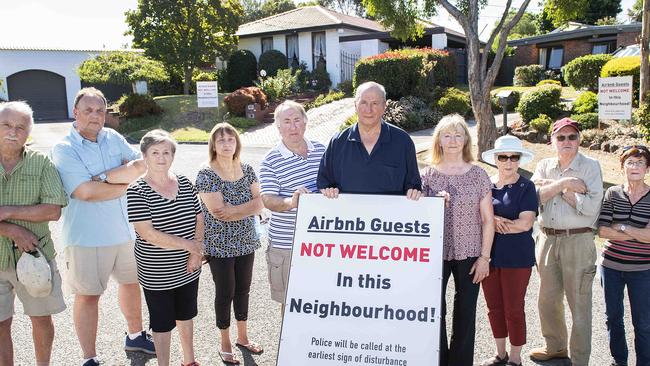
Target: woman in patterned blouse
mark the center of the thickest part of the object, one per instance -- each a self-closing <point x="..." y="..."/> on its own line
<point x="230" y="195"/>
<point x="468" y="233"/>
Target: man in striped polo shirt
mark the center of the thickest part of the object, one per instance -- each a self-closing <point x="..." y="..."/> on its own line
<point x="288" y="170"/>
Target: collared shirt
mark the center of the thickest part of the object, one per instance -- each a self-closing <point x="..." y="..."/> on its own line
<point x="391" y="167"/>
<point x="93" y="224"/>
<point x="33" y="181"/>
<point x="281" y="173"/>
<point x="556" y="213"/>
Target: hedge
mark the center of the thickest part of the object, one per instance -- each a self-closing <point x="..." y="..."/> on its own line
<point x="624" y="66"/>
<point x="587" y="102"/>
<point x="454" y="101"/>
<point x="271" y="61"/>
<point x="528" y="75"/>
<point x="583" y="72"/>
<point x="542" y="100"/>
<point x="241" y="69"/>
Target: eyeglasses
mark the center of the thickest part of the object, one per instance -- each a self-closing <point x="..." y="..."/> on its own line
<point x="571" y="137"/>
<point x="638" y="147"/>
<point x="504" y="158"/>
<point x="635" y="164"/>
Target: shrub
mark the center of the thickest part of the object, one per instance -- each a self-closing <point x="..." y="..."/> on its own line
<point x="410" y="113"/>
<point x="271" y="61"/>
<point x="453" y="101"/>
<point x="241" y="69"/>
<point x="587" y="102"/>
<point x="325" y="99"/>
<point x="237" y="101"/>
<point x="280" y="85"/>
<point x="642" y="117"/>
<point x="242" y="122"/>
<point x="319" y="79"/>
<point x="514" y="101"/>
<point x="586" y="121"/>
<point x="443" y="72"/>
<point x="624" y="66"/>
<point x="542" y="100"/>
<point x="200" y="75"/>
<point x="528" y="75"/>
<point x="346" y="87"/>
<point x="137" y="105"/>
<point x="349" y="122"/>
<point x="542" y="123"/>
<point x="583" y="72"/>
<point x="549" y="82"/>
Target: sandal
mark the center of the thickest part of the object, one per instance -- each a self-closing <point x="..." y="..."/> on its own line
<point x="495" y="361"/>
<point x="252" y="347"/>
<point x="228" y="358"/>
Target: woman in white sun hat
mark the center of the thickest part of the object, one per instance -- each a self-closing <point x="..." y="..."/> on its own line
<point x="513" y="250"/>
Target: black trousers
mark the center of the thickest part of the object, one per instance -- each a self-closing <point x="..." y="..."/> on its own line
<point x="460" y="352"/>
<point x="232" y="282"/>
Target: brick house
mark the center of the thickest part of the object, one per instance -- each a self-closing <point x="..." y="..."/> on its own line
<point x="555" y="49"/>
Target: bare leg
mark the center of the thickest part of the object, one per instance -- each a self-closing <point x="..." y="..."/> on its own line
<point x="226" y="345"/>
<point x="130" y="304"/>
<point x="6" y="345"/>
<point x="242" y="332"/>
<point x="85" y="314"/>
<point x="515" y="354"/>
<point x="501" y="347"/>
<point x="43" y="336"/>
<point x="162" y="342"/>
<point x="186" y="334"/>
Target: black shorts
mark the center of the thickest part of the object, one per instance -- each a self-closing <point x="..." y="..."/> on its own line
<point x="168" y="306"/>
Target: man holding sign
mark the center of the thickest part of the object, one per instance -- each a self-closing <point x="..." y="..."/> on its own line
<point x="372" y="156"/>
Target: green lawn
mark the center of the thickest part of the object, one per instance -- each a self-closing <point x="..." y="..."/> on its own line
<point x="183" y="119"/>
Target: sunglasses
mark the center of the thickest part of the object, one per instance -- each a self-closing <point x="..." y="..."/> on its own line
<point x="504" y="158"/>
<point x="638" y="147"/>
<point x="571" y="137"/>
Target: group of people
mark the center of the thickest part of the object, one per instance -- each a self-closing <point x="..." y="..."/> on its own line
<point x="128" y="216"/>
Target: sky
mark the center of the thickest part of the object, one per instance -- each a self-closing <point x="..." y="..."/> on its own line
<point x="94" y="24"/>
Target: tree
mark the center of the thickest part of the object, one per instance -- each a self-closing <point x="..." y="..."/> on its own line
<point x="645" y="54"/>
<point x="402" y="17"/>
<point x="635" y="13"/>
<point x="184" y="34"/>
<point x="122" y="68"/>
<point x="254" y="9"/>
<point x="581" y="11"/>
<point x="349" y="7"/>
<point x="607" y="21"/>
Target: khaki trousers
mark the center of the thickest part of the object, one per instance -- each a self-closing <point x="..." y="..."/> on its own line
<point x="566" y="265"/>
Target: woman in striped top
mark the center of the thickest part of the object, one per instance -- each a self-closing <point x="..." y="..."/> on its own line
<point x="625" y="221"/>
<point x="168" y="221"/>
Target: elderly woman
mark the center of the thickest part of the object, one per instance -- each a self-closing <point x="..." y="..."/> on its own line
<point x="165" y="211"/>
<point x="468" y="232"/>
<point x="230" y="195"/>
<point x="624" y="220"/>
<point x="513" y="250"/>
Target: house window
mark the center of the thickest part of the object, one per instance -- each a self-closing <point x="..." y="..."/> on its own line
<point x="599" y="48"/>
<point x="292" y="51"/>
<point x="267" y="44"/>
<point x="551" y="57"/>
<point x="318" y="50"/>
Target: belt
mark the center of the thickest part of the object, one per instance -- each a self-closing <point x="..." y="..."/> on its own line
<point x="580" y="230"/>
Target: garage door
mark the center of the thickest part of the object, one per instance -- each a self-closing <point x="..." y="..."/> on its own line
<point x="43" y="90"/>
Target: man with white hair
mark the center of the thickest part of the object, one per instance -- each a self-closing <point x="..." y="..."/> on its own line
<point x="31" y="194"/>
<point x="288" y="170"/>
<point x="371" y="156"/>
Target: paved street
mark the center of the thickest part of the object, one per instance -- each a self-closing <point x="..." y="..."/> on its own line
<point x="264" y="314"/>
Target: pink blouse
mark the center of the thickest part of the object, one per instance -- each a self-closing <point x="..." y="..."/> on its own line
<point x="463" y="233"/>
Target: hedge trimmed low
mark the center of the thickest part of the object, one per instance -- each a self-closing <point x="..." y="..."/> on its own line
<point x="528" y="75"/>
<point x="624" y="66"/>
<point x="586" y="102"/>
<point x="583" y="72"/>
<point x="542" y="100"/>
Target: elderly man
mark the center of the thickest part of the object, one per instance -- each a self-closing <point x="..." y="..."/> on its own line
<point x="371" y="156"/>
<point x="31" y="194"/>
<point x="96" y="164"/>
<point x="288" y="170"/>
<point x="570" y="189"/>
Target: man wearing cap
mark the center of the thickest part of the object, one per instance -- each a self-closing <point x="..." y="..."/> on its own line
<point x="570" y="190"/>
<point x="96" y="165"/>
<point x="31" y="194"/>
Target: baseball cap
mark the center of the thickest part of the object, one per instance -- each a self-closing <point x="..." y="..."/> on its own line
<point x="559" y="124"/>
<point x="34" y="273"/>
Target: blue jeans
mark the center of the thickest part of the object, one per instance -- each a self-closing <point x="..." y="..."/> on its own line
<point x="638" y="289"/>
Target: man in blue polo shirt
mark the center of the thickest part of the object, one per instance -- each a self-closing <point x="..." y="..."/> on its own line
<point x="371" y="156"/>
<point x="96" y="164"/>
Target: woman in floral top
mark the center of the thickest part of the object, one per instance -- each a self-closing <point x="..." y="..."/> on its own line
<point x="230" y="195"/>
<point x="468" y="232"/>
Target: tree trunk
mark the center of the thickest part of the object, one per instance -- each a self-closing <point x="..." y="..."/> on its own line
<point x="645" y="53"/>
<point x="187" y="79"/>
<point x="485" y="124"/>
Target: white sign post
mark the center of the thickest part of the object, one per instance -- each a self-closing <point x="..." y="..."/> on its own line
<point x="207" y="94"/>
<point x="365" y="282"/>
<point x="615" y="98"/>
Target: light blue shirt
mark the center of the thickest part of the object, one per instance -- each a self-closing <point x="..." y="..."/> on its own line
<point x="93" y="224"/>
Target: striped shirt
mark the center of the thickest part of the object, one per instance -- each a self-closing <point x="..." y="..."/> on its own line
<point x="625" y="255"/>
<point x="160" y="268"/>
<point x="281" y="173"/>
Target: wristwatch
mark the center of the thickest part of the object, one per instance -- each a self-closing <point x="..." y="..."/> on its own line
<point x="102" y="178"/>
<point x="487" y="259"/>
<point x="623" y="227"/>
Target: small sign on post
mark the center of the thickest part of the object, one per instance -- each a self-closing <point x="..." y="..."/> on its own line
<point x="207" y="94"/>
<point x="614" y="98"/>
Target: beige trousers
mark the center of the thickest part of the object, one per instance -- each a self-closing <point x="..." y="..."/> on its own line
<point x="566" y="265"/>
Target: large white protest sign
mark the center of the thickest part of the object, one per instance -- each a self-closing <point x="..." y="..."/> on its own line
<point x="615" y="98"/>
<point x="207" y="94"/>
<point x="365" y="282"/>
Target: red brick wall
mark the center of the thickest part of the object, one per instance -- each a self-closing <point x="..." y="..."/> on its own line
<point x="576" y="48"/>
<point x="526" y="55"/>
<point x="628" y="38"/>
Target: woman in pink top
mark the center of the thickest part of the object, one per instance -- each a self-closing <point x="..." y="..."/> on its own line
<point x="468" y="233"/>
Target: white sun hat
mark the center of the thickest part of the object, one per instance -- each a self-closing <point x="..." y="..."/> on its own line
<point x="34" y="273"/>
<point x="508" y="144"/>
